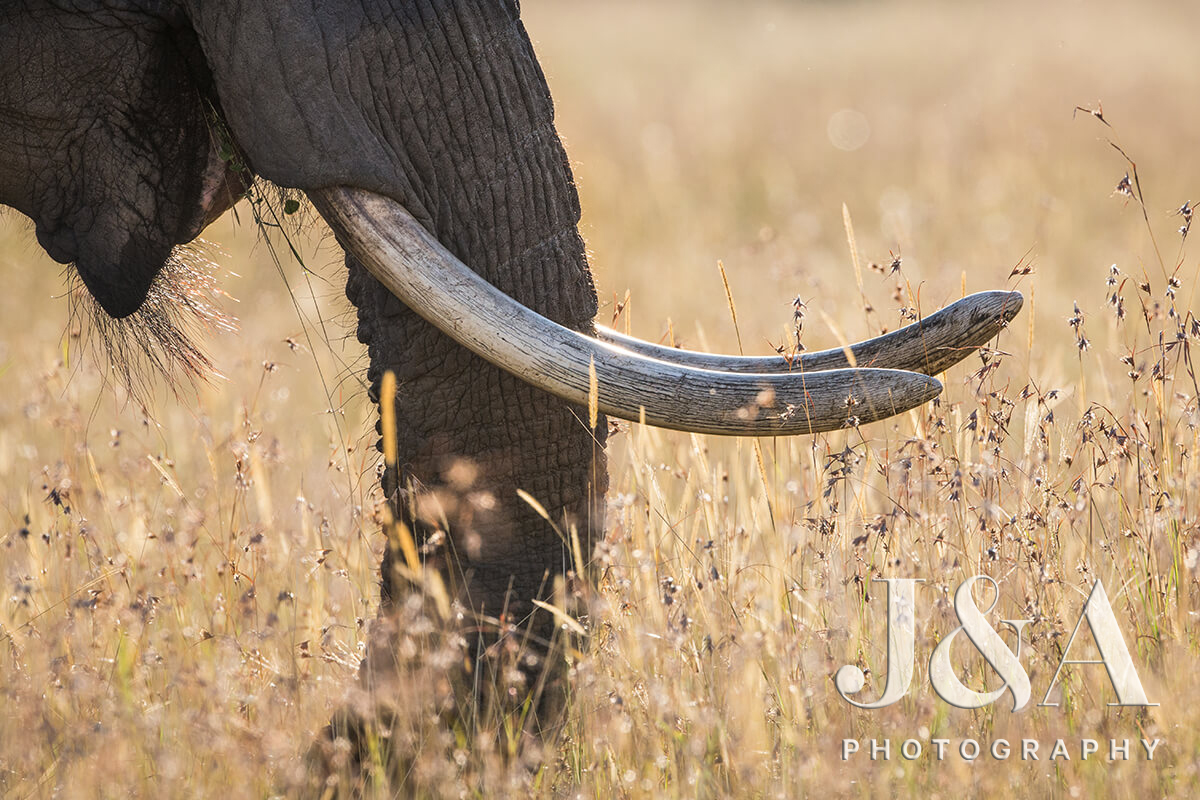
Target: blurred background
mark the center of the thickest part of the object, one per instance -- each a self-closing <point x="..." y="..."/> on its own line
<point x="705" y="132"/>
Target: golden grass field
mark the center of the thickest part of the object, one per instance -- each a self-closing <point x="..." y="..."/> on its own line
<point x="184" y="595"/>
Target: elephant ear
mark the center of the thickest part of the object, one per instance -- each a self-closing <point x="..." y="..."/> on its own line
<point x="116" y="172"/>
<point x="104" y="145"/>
<point x="153" y="176"/>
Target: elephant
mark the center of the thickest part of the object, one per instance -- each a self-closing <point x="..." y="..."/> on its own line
<point x="423" y="132"/>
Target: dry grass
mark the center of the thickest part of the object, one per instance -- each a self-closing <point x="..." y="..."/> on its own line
<point x="185" y="597"/>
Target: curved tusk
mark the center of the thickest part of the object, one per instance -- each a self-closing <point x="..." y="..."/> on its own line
<point x="430" y="280"/>
<point x="931" y="345"/>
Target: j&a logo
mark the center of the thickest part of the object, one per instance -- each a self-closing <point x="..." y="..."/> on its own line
<point x="901" y="651"/>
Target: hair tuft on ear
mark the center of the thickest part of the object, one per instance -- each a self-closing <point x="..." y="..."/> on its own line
<point x="159" y="340"/>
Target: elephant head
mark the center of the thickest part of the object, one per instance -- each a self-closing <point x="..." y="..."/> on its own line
<point x="424" y="133"/>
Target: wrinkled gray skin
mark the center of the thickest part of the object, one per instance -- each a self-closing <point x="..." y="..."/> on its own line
<point x="440" y="104"/>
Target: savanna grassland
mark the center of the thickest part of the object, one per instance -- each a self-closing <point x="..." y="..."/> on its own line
<point x="185" y="593"/>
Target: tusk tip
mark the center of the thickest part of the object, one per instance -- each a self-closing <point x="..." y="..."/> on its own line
<point x="1000" y="303"/>
<point x="1012" y="302"/>
<point x="1017" y="299"/>
<point x="930" y="386"/>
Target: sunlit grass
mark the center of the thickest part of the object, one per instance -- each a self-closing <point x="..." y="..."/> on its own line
<point x="186" y="595"/>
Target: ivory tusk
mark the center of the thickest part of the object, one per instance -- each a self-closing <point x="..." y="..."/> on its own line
<point x="415" y="267"/>
<point x="931" y="345"/>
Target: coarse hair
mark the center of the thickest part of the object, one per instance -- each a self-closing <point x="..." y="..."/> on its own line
<point x="161" y="340"/>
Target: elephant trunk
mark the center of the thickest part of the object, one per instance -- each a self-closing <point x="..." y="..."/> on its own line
<point x="491" y="182"/>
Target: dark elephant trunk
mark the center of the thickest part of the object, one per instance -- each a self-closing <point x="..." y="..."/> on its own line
<point x="493" y="185"/>
<point x="469" y="434"/>
<point x="440" y="105"/>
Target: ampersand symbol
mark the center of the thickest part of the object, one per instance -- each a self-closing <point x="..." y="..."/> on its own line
<point x="987" y="641"/>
